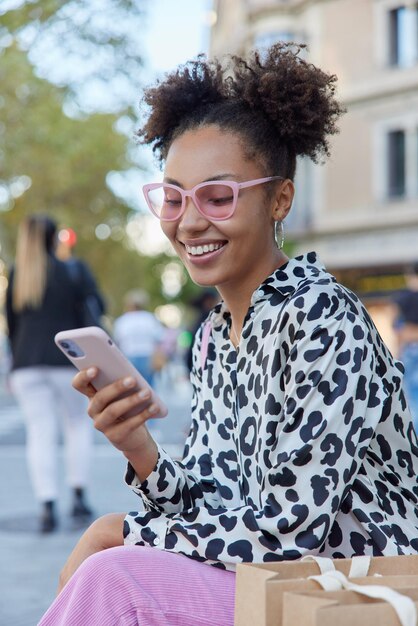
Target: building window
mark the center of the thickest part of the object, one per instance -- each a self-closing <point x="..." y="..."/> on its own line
<point x="396" y="163"/>
<point x="263" y="41"/>
<point x="403" y="35"/>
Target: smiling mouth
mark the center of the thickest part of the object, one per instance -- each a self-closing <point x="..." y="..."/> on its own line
<point x="204" y="249"/>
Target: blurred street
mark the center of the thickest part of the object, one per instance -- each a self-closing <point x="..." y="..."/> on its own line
<point x="30" y="562"/>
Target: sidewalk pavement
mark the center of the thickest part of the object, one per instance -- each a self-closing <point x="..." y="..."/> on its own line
<point x="30" y="562"/>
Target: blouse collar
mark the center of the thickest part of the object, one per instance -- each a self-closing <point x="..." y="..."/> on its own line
<point x="285" y="280"/>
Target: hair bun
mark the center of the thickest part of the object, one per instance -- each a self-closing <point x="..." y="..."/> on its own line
<point x="277" y="94"/>
<point x="295" y="95"/>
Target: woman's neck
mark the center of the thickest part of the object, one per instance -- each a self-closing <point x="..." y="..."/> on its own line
<point x="238" y="298"/>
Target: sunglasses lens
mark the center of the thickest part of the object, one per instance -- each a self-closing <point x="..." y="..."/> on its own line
<point x="165" y="201"/>
<point x="216" y="200"/>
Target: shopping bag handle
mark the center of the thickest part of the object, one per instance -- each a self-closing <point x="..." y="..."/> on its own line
<point x="359" y="566"/>
<point x="358" y="569"/>
<point x="324" y="563"/>
<point x="403" y="605"/>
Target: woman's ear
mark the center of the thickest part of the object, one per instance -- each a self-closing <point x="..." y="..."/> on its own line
<point x="283" y="200"/>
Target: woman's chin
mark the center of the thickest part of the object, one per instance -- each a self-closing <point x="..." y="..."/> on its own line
<point x="199" y="278"/>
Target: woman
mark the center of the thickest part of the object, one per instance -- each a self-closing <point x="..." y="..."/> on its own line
<point x="300" y="433"/>
<point x="41" y="300"/>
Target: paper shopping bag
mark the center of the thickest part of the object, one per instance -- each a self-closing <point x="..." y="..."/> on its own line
<point x="345" y="608"/>
<point x="260" y="586"/>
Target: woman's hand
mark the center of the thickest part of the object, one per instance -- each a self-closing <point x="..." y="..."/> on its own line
<point x="108" y="409"/>
<point x="105" y="532"/>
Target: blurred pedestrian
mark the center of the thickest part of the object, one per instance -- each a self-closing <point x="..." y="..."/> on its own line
<point x="92" y="304"/>
<point x="406" y="328"/>
<point x="139" y="334"/>
<point x="41" y="300"/>
<point x="203" y="304"/>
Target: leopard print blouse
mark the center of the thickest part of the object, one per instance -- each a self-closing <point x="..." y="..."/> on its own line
<point x="301" y="440"/>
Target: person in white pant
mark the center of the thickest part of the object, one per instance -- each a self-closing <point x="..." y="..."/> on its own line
<point x="42" y="298"/>
<point x="47" y="400"/>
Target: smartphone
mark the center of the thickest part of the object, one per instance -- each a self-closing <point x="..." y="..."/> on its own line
<point x="92" y="347"/>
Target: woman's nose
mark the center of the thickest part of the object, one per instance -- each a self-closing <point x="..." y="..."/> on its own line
<point x="192" y="219"/>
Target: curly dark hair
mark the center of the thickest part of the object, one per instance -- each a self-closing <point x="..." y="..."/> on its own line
<point x="279" y="104"/>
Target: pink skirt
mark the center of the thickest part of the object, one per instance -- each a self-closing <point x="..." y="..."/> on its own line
<point x="133" y="585"/>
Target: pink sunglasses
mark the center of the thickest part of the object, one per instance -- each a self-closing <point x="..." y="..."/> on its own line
<point x="215" y="200"/>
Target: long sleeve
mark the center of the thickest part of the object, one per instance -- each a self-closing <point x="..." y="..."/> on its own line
<point x="301" y="442"/>
<point x="175" y="486"/>
<point x="328" y="417"/>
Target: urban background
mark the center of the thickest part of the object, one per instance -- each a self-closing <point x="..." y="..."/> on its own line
<point x="71" y="73"/>
<point x="359" y="211"/>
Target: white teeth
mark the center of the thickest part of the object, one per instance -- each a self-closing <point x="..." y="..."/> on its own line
<point x="199" y="250"/>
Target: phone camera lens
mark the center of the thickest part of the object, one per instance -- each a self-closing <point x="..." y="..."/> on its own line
<point x="72" y="353"/>
<point x="65" y="345"/>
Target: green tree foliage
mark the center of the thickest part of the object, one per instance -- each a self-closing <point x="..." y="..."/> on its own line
<point x="57" y="165"/>
<point x="58" y="144"/>
<point x="90" y="47"/>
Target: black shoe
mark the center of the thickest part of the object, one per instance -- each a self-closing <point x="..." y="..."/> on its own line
<point x="48" y="521"/>
<point x="80" y="509"/>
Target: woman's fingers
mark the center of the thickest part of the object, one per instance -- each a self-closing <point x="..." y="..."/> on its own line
<point x="123" y="422"/>
<point x="107" y="397"/>
<point x="118" y="409"/>
<point x="115" y="411"/>
<point x="83" y="381"/>
<point x="128" y="434"/>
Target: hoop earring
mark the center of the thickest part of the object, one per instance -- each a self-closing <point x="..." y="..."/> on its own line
<point x="279" y="234"/>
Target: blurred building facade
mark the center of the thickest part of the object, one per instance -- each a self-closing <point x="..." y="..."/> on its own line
<point x="359" y="211"/>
